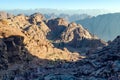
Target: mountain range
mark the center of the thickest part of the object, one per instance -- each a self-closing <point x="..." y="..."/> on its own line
<point x="105" y="26"/>
<point x="35" y="48"/>
<point x="92" y="12"/>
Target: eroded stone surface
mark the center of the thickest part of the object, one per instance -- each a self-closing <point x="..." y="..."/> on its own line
<point x="26" y="54"/>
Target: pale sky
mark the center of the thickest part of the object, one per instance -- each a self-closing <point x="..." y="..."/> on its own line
<point x="60" y="4"/>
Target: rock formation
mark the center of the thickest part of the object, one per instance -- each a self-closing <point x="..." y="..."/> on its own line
<point x="23" y="43"/>
<point x="36" y="18"/>
<point x="76" y="31"/>
<point x="101" y="65"/>
<point x="57" y="26"/>
<point x="26" y="53"/>
<point x="34" y="35"/>
<point x="77" y="37"/>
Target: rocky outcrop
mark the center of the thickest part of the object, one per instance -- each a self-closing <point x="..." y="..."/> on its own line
<point x="76" y="31"/>
<point x="57" y="26"/>
<point x="11" y="45"/>
<point x="36" y="18"/>
<point x="77" y="37"/>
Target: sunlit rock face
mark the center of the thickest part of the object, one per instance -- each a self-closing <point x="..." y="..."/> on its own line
<point x="34" y="36"/>
<point x="36" y="18"/>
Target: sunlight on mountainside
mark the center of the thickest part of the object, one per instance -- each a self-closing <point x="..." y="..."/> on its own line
<point x="59" y="40"/>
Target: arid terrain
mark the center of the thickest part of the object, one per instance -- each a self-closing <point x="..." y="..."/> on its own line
<point x="36" y="48"/>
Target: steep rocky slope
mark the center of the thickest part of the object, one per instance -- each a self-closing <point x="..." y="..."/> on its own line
<point x="75" y="36"/>
<point x="76" y="33"/>
<point x="35" y="39"/>
<point x="103" y="64"/>
<point x="26" y="53"/>
<point x="104" y="26"/>
<point x="17" y="61"/>
<point x="23" y="45"/>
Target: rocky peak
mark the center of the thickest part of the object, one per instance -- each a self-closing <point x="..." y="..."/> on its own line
<point x="61" y="21"/>
<point x="57" y="22"/>
<point x="77" y="38"/>
<point x="116" y="41"/>
<point x="19" y="21"/>
<point x="21" y="18"/>
<point x="57" y="26"/>
<point x="73" y="24"/>
<point x="76" y="31"/>
<point x="36" y="18"/>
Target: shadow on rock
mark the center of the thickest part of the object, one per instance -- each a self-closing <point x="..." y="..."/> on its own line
<point x="17" y="63"/>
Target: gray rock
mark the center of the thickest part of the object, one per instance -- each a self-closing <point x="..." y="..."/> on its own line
<point x="19" y="78"/>
<point x="116" y="66"/>
<point x="59" y="77"/>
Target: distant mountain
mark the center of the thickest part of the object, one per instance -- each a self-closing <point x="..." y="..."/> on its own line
<point x="69" y="14"/>
<point x="68" y="17"/>
<point x="4" y="15"/>
<point x="106" y="26"/>
<point x="92" y="12"/>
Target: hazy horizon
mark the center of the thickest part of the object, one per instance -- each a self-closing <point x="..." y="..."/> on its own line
<point x="59" y="4"/>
